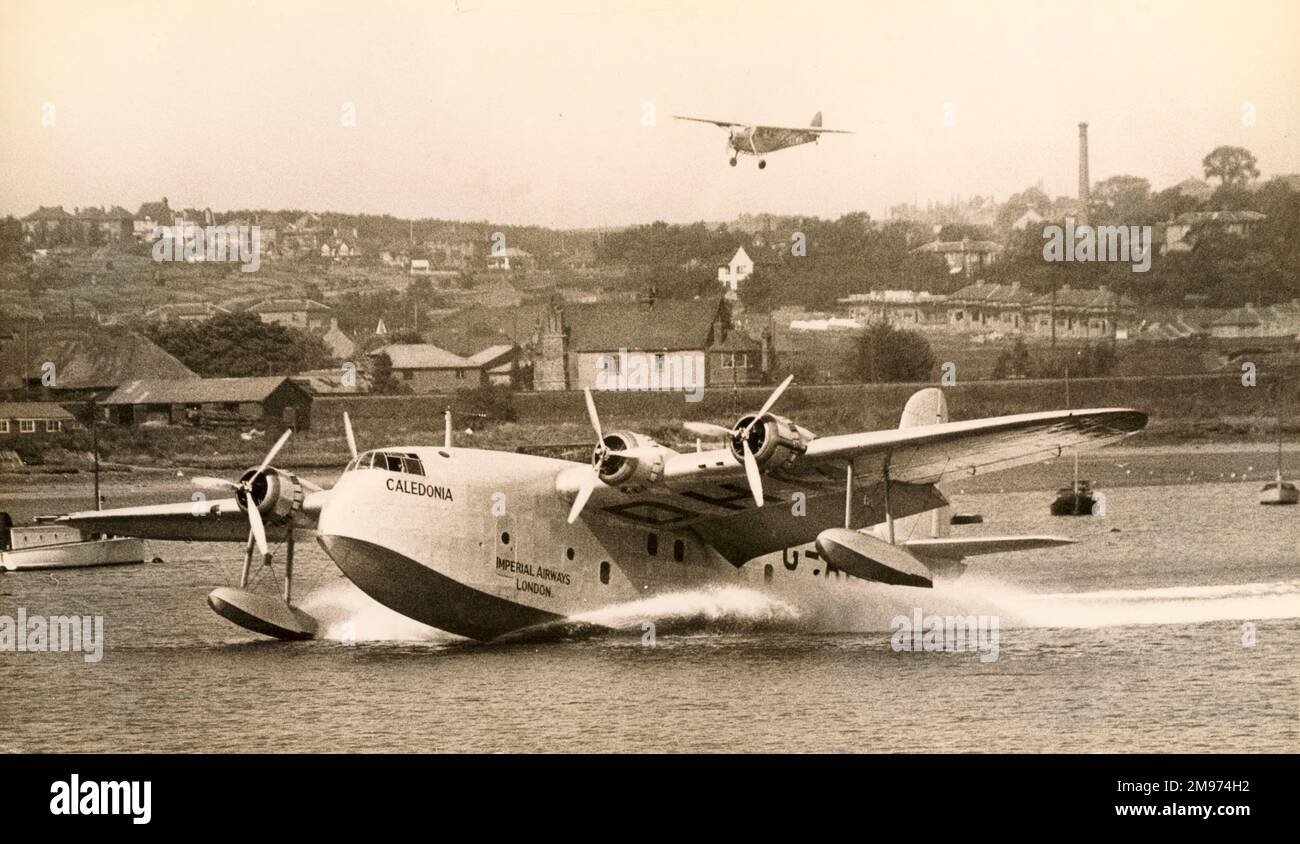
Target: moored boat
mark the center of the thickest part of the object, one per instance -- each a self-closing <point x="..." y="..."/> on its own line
<point x="44" y="546"/>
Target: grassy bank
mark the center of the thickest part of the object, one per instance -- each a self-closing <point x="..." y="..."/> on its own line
<point x="1182" y="408"/>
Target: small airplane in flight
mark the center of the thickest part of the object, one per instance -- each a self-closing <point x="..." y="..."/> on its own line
<point x="745" y="139"/>
<point x="487" y="543"/>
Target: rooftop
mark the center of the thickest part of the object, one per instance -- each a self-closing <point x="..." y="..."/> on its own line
<point x="33" y="410"/>
<point x="195" y="390"/>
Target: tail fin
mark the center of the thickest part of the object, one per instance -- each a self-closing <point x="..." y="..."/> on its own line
<point x="925" y="407"/>
<point x="816" y="121"/>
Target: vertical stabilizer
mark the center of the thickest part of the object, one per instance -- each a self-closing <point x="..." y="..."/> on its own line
<point x="816" y="121"/>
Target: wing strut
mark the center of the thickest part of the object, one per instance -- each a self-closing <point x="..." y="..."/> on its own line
<point x="889" y="513"/>
<point x="848" y="497"/>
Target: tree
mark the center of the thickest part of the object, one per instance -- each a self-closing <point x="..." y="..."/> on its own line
<point x="382" y="380"/>
<point x="241" y="345"/>
<point x="1122" y="199"/>
<point x="11" y="239"/>
<point x="1230" y="165"/>
<point x="887" y="353"/>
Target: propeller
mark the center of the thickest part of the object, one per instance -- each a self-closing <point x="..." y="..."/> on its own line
<point x="752" y="472"/>
<point x="598" y="460"/>
<point x="707" y="430"/>
<point x="256" y="528"/>
<point x="602" y="453"/>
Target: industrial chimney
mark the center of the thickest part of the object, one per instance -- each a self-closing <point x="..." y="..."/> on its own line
<point x="1084" y="191"/>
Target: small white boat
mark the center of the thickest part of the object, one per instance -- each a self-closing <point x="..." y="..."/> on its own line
<point x="43" y="546"/>
<point x="1278" y="491"/>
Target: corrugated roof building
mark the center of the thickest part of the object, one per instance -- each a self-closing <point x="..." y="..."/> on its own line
<point x="273" y="401"/>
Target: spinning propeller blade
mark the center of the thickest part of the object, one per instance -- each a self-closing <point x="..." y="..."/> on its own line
<point x="213" y="484"/>
<point x="754" y="476"/>
<point x="591" y="413"/>
<point x="580" y="500"/>
<point x="258" y="529"/>
<point x="275" y="449"/>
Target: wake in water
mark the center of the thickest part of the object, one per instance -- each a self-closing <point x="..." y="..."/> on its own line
<point x="345" y="613"/>
<point x="1128" y="607"/>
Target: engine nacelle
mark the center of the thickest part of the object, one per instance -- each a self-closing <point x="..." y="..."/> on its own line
<point x="774" y="440"/>
<point x="628" y="473"/>
<point x="277" y="494"/>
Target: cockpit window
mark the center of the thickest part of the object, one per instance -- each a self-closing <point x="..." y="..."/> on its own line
<point x="392" y="461"/>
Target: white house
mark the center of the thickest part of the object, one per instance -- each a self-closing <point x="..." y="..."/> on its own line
<point x="740" y="268"/>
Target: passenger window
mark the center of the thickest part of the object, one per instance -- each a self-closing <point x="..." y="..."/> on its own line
<point x="679" y="550"/>
<point x="604" y="573"/>
<point x="652" y="544"/>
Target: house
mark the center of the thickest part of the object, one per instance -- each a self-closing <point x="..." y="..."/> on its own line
<point x="1280" y="320"/>
<point x="310" y="316"/>
<point x="968" y="257"/>
<point x="1082" y="314"/>
<point x="301" y="237"/>
<point x="425" y="368"/>
<point x="47" y="224"/>
<point x="1026" y="220"/>
<point x="900" y="308"/>
<point x="987" y="307"/>
<point x="599" y="345"/>
<point x="499" y="362"/>
<point x="304" y="314"/>
<point x="509" y="258"/>
<point x="274" y="401"/>
<point x="420" y="266"/>
<point x="184" y="312"/>
<point x="456" y="254"/>
<point x="1179" y="235"/>
<point x="105" y="226"/>
<point x="150" y="218"/>
<point x="81" y="356"/>
<point x="38" y="420"/>
<point x="739" y="268"/>
<point x="736" y="361"/>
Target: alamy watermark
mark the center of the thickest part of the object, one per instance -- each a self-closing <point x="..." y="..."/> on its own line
<point x="188" y="242"/>
<point x="648" y="371"/>
<point x="42" y="634"/>
<point x="1087" y="243"/>
<point x="950" y="633"/>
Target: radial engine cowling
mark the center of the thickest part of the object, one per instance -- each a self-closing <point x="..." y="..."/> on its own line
<point x="643" y="467"/>
<point x="277" y="494"/>
<point x="774" y="440"/>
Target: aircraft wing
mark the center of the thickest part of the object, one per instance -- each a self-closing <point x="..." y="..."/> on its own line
<point x="811" y="130"/>
<point x="725" y="124"/>
<point x="707" y="493"/>
<point x="216" y="520"/>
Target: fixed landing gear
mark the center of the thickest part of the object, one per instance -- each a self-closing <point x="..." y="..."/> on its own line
<point x="761" y="164"/>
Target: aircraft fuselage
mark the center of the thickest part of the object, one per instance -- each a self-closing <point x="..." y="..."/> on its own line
<point x="478" y="544"/>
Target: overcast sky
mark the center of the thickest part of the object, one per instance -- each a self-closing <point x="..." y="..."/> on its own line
<point x="532" y="112"/>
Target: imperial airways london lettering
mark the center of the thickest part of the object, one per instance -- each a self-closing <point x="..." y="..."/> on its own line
<point x="442" y="493"/>
<point x="510" y="568"/>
